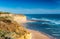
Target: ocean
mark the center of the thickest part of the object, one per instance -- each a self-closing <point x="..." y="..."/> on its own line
<point x="46" y="23"/>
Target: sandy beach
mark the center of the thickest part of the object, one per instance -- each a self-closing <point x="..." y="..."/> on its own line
<point x="39" y="35"/>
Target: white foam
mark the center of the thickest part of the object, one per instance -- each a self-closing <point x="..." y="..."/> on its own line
<point x="35" y="19"/>
<point x="45" y="19"/>
<point x="56" y="34"/>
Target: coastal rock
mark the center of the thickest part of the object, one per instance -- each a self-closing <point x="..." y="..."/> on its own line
<point x="10" y="29"/>
<point x="19" y="18"/>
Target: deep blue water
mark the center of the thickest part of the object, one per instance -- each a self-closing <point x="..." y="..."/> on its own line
<point x="50" y="24"/>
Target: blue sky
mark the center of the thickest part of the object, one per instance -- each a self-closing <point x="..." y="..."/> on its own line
<point x="30" y="6"/>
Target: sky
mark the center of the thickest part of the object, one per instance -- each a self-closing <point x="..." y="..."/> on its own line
<point x="30" y="6"/>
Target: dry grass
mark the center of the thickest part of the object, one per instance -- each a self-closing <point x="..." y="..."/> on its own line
<point x="9" y="25"/>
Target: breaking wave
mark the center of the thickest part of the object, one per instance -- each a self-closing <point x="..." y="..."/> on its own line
<point x="46" y="21"/>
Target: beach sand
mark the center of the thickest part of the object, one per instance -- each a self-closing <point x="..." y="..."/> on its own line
<point x="39" y="35"/>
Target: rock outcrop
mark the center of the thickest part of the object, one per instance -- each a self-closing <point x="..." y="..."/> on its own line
<point x="21" y="18"/>
<point x="10" y="29"/>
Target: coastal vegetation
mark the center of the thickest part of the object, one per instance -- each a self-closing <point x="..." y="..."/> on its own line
<point x="10" y="29"/>
<point x="4" y="12"/>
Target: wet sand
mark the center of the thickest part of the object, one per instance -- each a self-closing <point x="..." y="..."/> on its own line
<point x="39" y="35"/>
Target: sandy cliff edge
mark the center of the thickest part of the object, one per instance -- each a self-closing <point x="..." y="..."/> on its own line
<point x="11" y="29"/>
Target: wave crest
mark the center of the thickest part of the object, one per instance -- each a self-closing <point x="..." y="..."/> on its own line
<point x="46" y="21"/>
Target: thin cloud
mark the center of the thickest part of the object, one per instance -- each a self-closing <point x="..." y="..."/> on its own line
<point x="30" y="11"/>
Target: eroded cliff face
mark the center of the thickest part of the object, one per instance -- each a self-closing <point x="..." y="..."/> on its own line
<point x="10" y="29"/>
<point x="19" y="18"/>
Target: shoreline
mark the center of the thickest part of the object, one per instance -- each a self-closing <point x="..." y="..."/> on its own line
<point x="36" y="34"/>
<point x="39" y="35"/>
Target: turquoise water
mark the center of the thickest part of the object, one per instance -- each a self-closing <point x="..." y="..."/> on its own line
<point x="47" y="23"/>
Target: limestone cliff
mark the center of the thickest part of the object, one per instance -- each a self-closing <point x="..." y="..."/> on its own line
<point x="21" y="18"/>
<point x="10" y="29"/>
